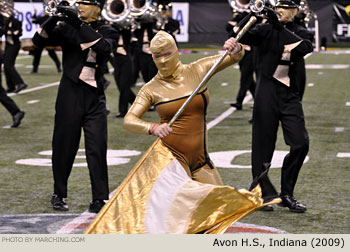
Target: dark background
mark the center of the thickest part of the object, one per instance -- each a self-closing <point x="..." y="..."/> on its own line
<point x="209" y="17"/>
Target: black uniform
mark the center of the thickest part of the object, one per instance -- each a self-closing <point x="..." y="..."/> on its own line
<point x="13" y="31"/>
<point x="8" y="103"/>
<point x="38" y="50"/>
<point x="246" y="64"/>
<point x="298" y="67"/>
<point x="80" y="105"/>
<point x="275" y="102"/>
<point x="123" y="71"/>
<point x="172" y="27"/>
<point x="143" y="55"/>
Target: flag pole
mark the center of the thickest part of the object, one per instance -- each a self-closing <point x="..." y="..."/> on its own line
<point x="251" y="21"/>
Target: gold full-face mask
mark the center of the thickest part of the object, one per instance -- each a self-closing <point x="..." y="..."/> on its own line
<point x="165" y="53"/>
<point x="287" y="14"/>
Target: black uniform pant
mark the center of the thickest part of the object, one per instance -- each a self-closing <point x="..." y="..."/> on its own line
<point x="123" y="79"/>
<point x="148" y="68"/>
<point x="247" y="68"/>
<point x="78" y="106"/>
<point x="12" y="76"/>
<point x="37" y="56"/>
<point x="274" y="103"/>
<point x="135" y="62"/>
<point x="8" y="103"/>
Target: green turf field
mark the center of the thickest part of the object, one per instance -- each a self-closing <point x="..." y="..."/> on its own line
<point x="323" y="184"/>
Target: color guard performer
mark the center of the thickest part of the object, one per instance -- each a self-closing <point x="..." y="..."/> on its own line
<point x="173" y="83"/>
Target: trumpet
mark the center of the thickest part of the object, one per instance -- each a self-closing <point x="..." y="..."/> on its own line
<point x="304" y="12"/>
<point x="52" y="6"/>
<point x="6" y="8"/>
<point x="239" y="5"/>
<point x="256" y="6"/>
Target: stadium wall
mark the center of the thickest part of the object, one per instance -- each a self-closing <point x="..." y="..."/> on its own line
<point x="207" y="19"/>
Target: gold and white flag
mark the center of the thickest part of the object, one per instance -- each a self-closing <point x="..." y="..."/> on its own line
<point x="158" y="197"/>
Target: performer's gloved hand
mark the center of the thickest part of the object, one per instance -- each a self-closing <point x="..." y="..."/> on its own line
<point x="71" y="17"/>
<point x="161" y="130"/>
<point x="50" y="23"/>
<point x="273" y="19"/>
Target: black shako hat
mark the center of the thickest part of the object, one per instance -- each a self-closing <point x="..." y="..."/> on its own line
<point x="287" y="4"/>
<point x="100" y="3"/>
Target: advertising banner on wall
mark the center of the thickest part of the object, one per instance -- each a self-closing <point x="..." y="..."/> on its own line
<point x="341" y="30"/>
<point x="24" y="13"/>
<point x="181" y="14"/>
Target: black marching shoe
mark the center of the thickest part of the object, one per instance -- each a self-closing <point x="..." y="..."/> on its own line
<point x="58" y="203"/>
<point x="10" y="90"/>
<point x="20" y="87"/>
<point x="269" y="192"/>
<point x="120" y="115"/>
<point x="236" y="105"/>
<point x="267" y="208"/>
<point x="96" y="205"/>
<point x="17" y="118"/>
<point x="293" y="205"/>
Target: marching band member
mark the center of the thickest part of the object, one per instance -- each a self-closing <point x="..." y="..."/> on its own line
<point x="81" y="101"/>
<point x="12" y="32"/>
<point x="9" y="104"/>
<point x="123" y="71"/>
<point x="277" y="98"/>
<point x="38" y="50"/>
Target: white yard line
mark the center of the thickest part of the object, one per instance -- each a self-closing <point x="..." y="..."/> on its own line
<point x="327" y="66"/>
<point x="24" y="57"/>
<point x="227" y="113"/>
<point x="36" y="88"/>
<point x="343" y="155"/>
<point x="307" y="55"/>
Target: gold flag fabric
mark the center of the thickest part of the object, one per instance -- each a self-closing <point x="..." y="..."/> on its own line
<point x="158" y="197"/>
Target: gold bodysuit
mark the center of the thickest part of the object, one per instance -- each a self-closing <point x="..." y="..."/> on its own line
<point x="188" y="140"/>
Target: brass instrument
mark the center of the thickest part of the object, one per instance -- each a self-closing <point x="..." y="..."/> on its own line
<point x="163" y="18"/>
<point x="144" y="10"/>
<point x="239" y="5"/>
<point x="127" y="14"/>
<point x="304" y="12"/>
<point x="254" y="5"/>
<point x="6" y="8"/>
<point x="259" y="5"/>
<point x="116" y="11"/>
<point x="51" y="6"/>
